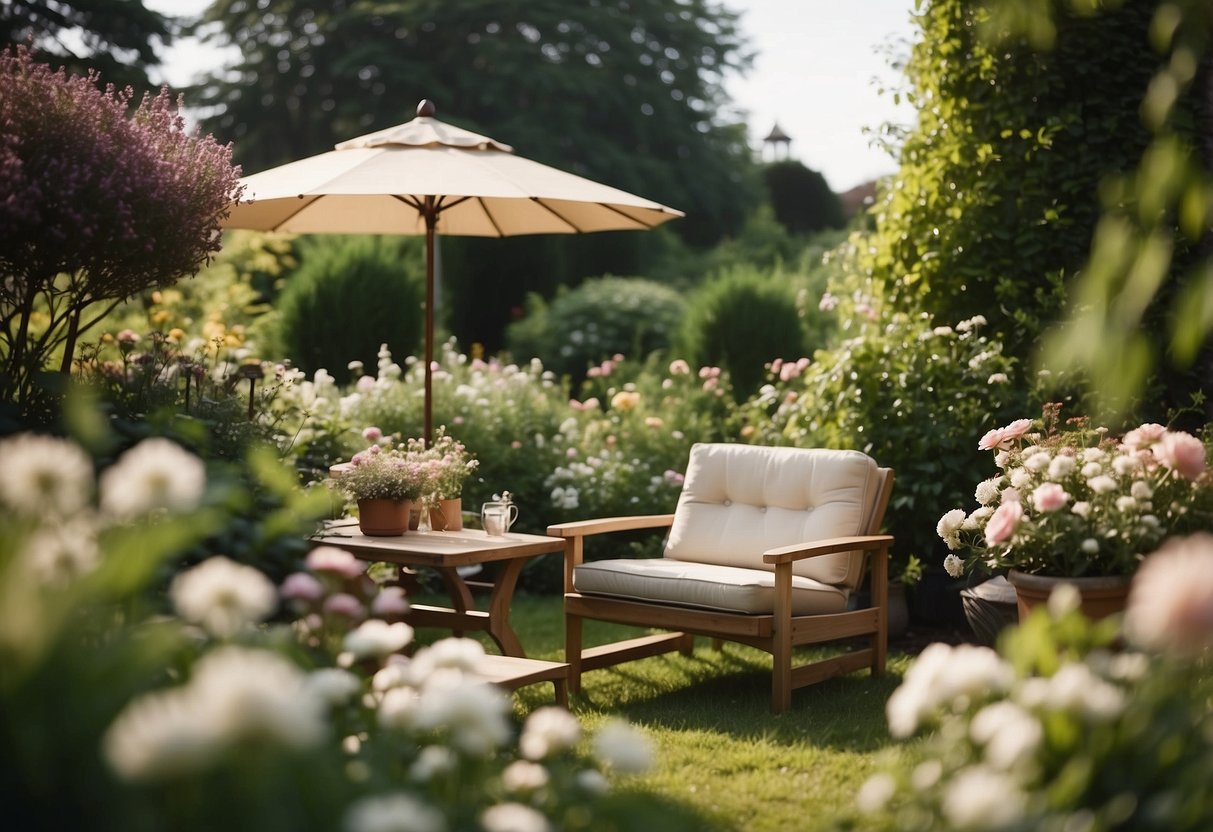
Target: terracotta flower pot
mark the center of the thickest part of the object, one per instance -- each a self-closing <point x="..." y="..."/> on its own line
<point x="1100" y="596"/>
<point x="384" y="518"/>
<point x="447" y="516"/>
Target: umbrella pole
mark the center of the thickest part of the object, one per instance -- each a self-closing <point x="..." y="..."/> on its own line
<point x="430" y="222"/>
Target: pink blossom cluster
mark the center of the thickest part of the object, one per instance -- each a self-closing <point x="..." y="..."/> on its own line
<point x="788" y="370"/>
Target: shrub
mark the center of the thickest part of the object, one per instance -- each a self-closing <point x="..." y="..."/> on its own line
<point x="909" y="394"/>
<point x="600" y="318"/>
<point x="741" y="320"/>
<point x="95" y="206"/>
<point x="349" y="296"/>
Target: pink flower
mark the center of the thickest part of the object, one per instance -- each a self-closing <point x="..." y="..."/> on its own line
<point x="372" y="434"/>
<point x="1182" y="453"/>
<point x="1049" y="497"/>
<point x="332" y="559"/>
<point x="1144" y="436"/>
<point x="678" y="367"/>
<point x="390" y="601"/>
<point x="594" y="372"/>
<point x="828" y="303"/>
<point x="345" y="604"/>
<point x="128" y="336"/>
<point x="302" y="586"/>
<point x="365" y="384"/>
<point x="776" y="366"/>
<point x="1000" y="437"/>
<point x="1170" y="603"/>
<point x="1002" y="522"/>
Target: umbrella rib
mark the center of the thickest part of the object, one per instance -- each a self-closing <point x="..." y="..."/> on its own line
<point x="489" y="216"/>
<point x="306" y="202"/>
<point x="648" y="225"/>
<point x="558" y="215"/>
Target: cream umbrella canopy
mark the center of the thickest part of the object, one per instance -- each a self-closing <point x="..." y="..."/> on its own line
<point x="428" y="177"/>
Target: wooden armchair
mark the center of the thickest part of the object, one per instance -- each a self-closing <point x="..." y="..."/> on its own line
<point x="765" y="548"/>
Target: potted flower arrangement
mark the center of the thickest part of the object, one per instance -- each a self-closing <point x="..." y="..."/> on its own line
<point x="449" y="464"/>
<point x="385" y="481"/>
<point x="1070" y="502"/>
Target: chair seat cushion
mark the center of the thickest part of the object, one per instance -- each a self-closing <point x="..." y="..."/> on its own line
<point x="703" y="585"/>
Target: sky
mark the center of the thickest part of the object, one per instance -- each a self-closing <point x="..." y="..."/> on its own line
<point x="818" y="69"/>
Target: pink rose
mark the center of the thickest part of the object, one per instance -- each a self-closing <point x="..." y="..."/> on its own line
<point x="1002" y="522"/>
<point x="1144" y="436"/>
<point x="332" y="559"/>
<point x="372" y="434"/>
<point x="390" y="601"/>
<point x="1182" y="453"/>
<point x="345" y="604"/>
<point x="1049" y="497"/>
<point x="1171" y="601"/>
<point x="678" y="367"/>
<point x="1000" y="437"/>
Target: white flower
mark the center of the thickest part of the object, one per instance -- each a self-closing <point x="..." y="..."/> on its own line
<point x="981" y="798"/>
<point x="954" y="566"/>
<point x="949" y="525"/>
<point x="1020" y="478"/>
<point x="60" y="552"/>
<point x="433" y="760"/>
<point x="1091" y="469"/>
<point x="44" y="475"/>
<point x="988" y="490"/>
<point x="547" y="731"/>
<point x="1125" y="465"/>
<point x="1037" y="462"/>
<point x="235" y="695"/>
<point x="1102" y="484"/>
<point x="926" y="774"/>
<point x="1170" y="605"/>
<point x="396" y="812"/>
<point x="943" y="673"/>
<point x="1090" y="546"/>
<point x="592" y="782"/>
<point x="1075" y="689"/>
<point x="1126" y="503"/>
<point x="398" y="707"/>
<point x="222" y="596"/>
<point x="475" y="713"/>
<point x="1093" y="454"/>
<point x="513" y="817"/>
<point x="1009" y="734"/>
<point x="1061" y="467"/>
<point x="376" y="638"/>
<point x="876" y="793"/>
<point x="997" y="378"/>
<point x="1141" y="490"/>
<point x="623" y="747"/>
<point x="1082" y="509"/>
<point x="154" y="474"/>
<point x="524" y="776"/>
<point x="333" y="685"/>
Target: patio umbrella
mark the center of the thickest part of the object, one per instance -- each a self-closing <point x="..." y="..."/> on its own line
<point x="428" y="177"/>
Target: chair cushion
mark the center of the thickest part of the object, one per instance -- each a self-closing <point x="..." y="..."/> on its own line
<point x="738" y="501"/>
<point x="708" y="586"/>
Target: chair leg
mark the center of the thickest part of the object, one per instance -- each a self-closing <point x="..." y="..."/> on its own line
<point x="781" y="642"/>
<point x="572" y="651"/>
<point x="717" y="644"/>
<point x="687" y="646"/>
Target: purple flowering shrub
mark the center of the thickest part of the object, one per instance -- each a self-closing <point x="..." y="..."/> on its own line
<point x="99" y="200"/>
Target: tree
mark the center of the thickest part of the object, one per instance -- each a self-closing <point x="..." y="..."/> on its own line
<point x="96" y="205"/>
<point x="801" y="198"/>
<point x="115" y="38"/>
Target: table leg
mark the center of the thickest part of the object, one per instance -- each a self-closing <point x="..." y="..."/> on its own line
<point x="499" y="608"/>
<point x="457" y="589"/>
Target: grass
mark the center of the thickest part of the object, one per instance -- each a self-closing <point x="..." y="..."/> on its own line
<point x="723" y="758"/>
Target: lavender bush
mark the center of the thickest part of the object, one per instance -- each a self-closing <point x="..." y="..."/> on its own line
<point x="98" y="201"/>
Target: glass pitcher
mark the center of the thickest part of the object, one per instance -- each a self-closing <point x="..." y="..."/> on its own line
<point x="496" y="516"/>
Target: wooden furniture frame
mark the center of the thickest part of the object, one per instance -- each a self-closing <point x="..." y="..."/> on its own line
<point x="777" y="633"/>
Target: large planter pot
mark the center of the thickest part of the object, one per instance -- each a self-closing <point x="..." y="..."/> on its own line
<point x="1099" y="596"/>
<point x="384" y="518"/>
<point x="447" y="516"/>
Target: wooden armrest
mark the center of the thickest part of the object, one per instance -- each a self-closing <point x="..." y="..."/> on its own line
<point x="585" y="528"/>
<point x="833" y="545"/>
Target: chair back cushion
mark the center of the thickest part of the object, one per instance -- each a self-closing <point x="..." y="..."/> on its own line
<point x="738" y="501"/>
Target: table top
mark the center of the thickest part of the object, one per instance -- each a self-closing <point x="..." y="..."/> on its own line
<point x="417" y="548"/>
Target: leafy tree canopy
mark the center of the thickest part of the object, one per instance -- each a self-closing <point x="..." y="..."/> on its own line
<point x="115" y="37"/>
<point x="628" y="92"/>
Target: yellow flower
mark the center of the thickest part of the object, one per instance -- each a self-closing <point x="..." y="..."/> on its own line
<point x="625" y="400"/>
<point x="653" y="421"/>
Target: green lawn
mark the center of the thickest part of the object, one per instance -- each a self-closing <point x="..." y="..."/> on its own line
<point x="721" y="754"/>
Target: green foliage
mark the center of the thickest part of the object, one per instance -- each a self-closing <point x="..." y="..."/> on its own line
<point x="349" y="296"/>
<point x="119" y="39"/>
<point x="995" y="201"/>
<point x="599" y="319"/>
<point x="740" y="320"/>
<point x="801" y="198"/>
<point x="898" y="389"/>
